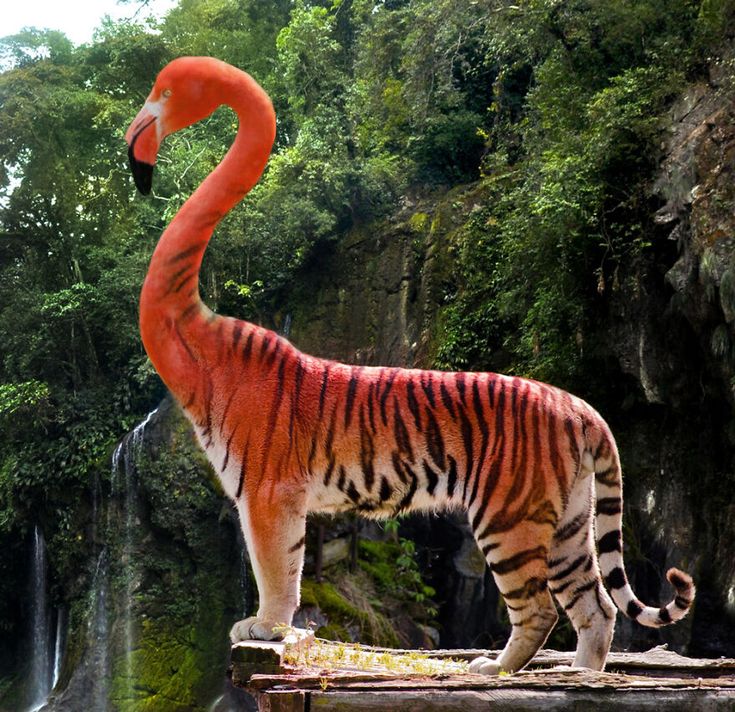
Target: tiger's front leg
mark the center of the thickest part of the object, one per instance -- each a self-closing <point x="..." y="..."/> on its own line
<point x="274" y="529"/>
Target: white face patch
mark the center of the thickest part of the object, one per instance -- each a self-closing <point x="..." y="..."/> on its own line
<point x="155" y="108"/>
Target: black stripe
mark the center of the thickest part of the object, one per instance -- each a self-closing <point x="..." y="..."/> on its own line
<point x="517" y="561"/>
<point x="634" y="609"/>
<point x="182" y="283"/>
<point x="571" y="528"/>
<point x="616" y="579"/>
<point x="663" y="615"/>
<point x="371" y="406"/>
<point x="384" y="395"/>
<point x="178" y="274"/>
<point x="434" y="440"/>
<point x="398" y="466"/>
<point x="385" y="490"/>
<point x="400" y="432"/>
<point x="469" y="448"/>
<point x="273" y="354"/>
<point x="531" y="588"/>
<point x="189" y="311"/>
<point x="323" y="391"/>
<point x="560" y="589"/>
<point x="367" y="453"/>
<point x="351" y="389"/>
<point x="569" y="569"/>
<point x="352" y="492"/>
<point x="490" y="546"/>
<point x="248" y="346"/>
<point x="459" y="379"/>
<point x="452" y="477"/>
<point x="236" y="333"/>
<point x="609" y="505"/>
<point x="328" y="472"/>
<point x="610" y="542"/>
<point x="342" y="478"/>
<point x="428" y="386"/>
<point x="493" y="475"/>
<point x="491" y="390"/>
<point x="243" y="469"/>
<point x="264" y="345"/>
<point x="227" y="450"/>
<point x="408" y="497"/>
<point x="432" y="478"/>
<point x="609" y="476"/>
<point x="446" y="399"/>
<point x="484" y="432"/>
<point x="579" y="592"/>
<point x="297" y="545"/>
<point x="188" y="252"/>
<point x="413" y="404"/>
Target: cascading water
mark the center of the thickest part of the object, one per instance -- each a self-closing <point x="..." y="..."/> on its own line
<point x="58" y="645"/>
<point x="124" y="462"/>
<point x="99" y="634"/>
<point x="40" y="619"/>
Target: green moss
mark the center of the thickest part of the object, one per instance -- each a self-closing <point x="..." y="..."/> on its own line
<point x="329" y="600"/>
<point x="374" y="628"/>
<point x="378" y="560"/>
<point x="333" y="631"/>
<point x="418" y="222"/>
<point x="174" y="669"/>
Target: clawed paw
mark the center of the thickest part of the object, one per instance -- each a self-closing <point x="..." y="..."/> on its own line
<point x="255" y="628"/>
<point x="485" y="666"/>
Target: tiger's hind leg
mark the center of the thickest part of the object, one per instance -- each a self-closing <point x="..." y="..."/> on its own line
<point x="575" y="580"/>
<point x="518" y="562"/>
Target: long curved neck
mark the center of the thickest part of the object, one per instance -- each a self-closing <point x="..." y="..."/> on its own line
<point x="170" y="296"/>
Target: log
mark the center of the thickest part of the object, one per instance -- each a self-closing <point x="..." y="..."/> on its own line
<point x="633" y="681"/>
<point x="264" y="656"/>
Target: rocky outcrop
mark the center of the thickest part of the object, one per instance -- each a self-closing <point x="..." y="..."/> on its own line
<point x="672" y="324"/>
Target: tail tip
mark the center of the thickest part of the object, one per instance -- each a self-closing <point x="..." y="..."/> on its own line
<point x="683" y="584"/>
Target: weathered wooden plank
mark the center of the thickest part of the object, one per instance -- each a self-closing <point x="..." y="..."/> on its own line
<point x="658" y="657"/>
<point x="691" y="700"/>
<point x="264" y="656"/>
<point x="543" y="680"/>
<point x="282" y="701"/>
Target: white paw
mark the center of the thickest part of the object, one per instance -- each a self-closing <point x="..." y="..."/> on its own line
<point x="255" y="628"/>
<point x="485" y="666"/>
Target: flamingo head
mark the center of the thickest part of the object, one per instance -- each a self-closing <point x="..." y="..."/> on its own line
<point x="187" y="90"/>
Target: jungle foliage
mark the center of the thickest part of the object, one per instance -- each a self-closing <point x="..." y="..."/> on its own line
<point x="555" y="105"/>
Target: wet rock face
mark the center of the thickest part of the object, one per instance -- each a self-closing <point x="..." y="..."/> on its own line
<point x="165" y="586"/>
<point x="673" y="328"/>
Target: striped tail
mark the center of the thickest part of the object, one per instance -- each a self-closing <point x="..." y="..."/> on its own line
<point x="609" y="523"/>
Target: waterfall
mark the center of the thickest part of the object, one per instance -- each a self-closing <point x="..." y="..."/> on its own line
<point x="98" y="635"/>
<point x="40" y="620"/>
<point x="124" y="462"/>
<point x="58" y="645"/>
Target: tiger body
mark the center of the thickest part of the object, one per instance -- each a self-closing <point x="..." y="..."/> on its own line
<point x="536" y="469"/>
<point x="532" y="465"/>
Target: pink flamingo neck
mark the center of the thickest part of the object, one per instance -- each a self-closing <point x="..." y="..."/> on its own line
<point x="170" y="299"/>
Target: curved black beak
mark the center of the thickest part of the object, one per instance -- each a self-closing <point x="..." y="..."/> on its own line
<point x="142" y="172"/>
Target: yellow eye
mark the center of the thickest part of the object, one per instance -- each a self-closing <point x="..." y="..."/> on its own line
<point x="166" y="93"/>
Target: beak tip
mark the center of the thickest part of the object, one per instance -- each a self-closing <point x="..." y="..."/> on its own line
<point x="142" y="173"/>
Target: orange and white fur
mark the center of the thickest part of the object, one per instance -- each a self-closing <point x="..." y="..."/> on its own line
<point x="535" y="468"/>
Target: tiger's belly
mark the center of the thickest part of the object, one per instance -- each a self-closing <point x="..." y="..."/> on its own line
<point x="384" y="493"/>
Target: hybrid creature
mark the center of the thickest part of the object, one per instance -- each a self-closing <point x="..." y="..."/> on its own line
<point x="536" y="469"/>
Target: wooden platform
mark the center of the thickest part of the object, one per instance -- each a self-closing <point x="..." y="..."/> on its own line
<point x="302" y="674"/>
